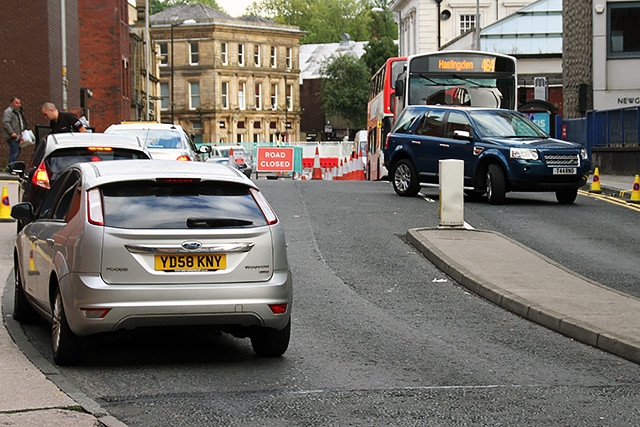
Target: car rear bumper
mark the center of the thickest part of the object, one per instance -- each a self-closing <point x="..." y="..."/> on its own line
<point x="132" y="306"/>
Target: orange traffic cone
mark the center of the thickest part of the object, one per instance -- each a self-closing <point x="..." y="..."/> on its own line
<point x="5" y="207"/>
<point x="595" y="183"/>
<point x="340" y="171"/>
<point x="317" y="170"/>
<point x="635" y="193"/>
<point x="359" y="172"/>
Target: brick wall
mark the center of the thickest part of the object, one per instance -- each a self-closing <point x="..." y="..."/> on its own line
<point x="104" y="54"/>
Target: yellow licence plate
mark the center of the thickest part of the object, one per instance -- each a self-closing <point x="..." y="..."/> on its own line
<point x="195" y="262"/>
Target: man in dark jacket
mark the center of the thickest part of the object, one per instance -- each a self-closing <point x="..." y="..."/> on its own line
<point x="61" y="121"/>
<point x="13" y="123"/>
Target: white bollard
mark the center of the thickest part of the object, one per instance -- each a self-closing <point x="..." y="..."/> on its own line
<point x="451" y="193"/>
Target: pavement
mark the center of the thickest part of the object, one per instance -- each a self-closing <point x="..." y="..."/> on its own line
<point x="33" y="392"/>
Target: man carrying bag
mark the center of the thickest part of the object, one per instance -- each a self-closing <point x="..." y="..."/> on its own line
<point x="14" y="124"/>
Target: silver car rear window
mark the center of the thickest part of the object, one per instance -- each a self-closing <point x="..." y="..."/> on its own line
<point x="175" y="205"/>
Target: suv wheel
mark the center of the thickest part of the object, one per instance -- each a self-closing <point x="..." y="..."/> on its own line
<point x="566" y="197"/>
<point x="269" y="342"/>
<point x="405" y="179"/>
<point x="65" y="343"/>
<point x="496" y="185"/>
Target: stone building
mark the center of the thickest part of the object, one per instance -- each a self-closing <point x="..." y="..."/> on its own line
<point x="234" y="79"/>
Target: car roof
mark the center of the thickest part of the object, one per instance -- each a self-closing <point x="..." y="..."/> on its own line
<point x="143" y="125"/>
<point x="84" y="139"/>
<point x="98" y="173"/>
<point x="455" y="108"/>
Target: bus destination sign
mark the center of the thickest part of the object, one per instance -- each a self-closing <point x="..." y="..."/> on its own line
<point x="475" y="64"/>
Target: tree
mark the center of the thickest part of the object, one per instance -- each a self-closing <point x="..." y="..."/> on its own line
<point x="160" y="5"/>
<point x="377" y="51"/>
<point x="345" y="89"/>
<point x="324" y="20"/>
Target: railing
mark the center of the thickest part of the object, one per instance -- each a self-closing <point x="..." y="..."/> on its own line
<point x="605" y="128"/>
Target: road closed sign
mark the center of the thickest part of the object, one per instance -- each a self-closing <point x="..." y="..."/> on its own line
<point x="275" y="159"/>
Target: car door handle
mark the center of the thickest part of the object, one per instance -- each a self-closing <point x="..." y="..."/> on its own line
<point x="413" y="141"/>
<point x="444" y="145"/>
<point x="50" y="241"/>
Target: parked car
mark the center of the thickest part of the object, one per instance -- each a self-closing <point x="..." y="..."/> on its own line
<point x="503" y="151"/>
<point x="121" y="245"/>
<point x="244" y="167"/>
<point x="164" y="141"/>
<point x="57" y="151"/>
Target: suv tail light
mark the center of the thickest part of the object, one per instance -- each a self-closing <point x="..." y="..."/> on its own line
<point x="268" y="213"/>
<point x="40" y="177"/>
<point x="94" y="207"/>
<point x="386" y="141"/>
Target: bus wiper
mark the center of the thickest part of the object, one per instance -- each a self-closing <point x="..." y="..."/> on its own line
<point x="216" y="222"/>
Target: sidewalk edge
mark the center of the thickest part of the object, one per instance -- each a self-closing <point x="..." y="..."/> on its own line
<point x="572" y="328"/>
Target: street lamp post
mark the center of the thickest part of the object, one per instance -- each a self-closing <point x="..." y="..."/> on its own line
<point x="438" y="2"/>
<point x="173" y="24"/>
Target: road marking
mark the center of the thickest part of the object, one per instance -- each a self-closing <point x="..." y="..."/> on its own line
<point x="611" y="199"/>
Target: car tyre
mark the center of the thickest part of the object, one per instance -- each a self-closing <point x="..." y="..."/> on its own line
<point x="270" y="342"/>
<point x="65" y="344"/>
<point x="496" y="185"/>
<point x="405" y="179"/>
<point x="23" y="312"/>
<point x="566" y="197"/>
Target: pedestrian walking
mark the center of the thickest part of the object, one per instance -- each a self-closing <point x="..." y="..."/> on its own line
<point x="61" y="121"/>
<point x="14" y="123"/>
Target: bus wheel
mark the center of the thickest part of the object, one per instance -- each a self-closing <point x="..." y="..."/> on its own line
<point x="405" y="179"/>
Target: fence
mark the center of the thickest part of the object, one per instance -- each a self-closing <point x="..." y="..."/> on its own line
<point x="605" y="128"/>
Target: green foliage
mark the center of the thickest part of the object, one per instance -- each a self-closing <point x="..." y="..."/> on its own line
<point x="160" y="5"/>
<point x="345" y="89"/>
<point x="326" y="20"/>
<point x="377" y="51"/>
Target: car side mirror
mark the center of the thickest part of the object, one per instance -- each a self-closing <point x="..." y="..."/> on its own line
<point x="462" y="134"/>
<point x="23" y="212"/>
<point x="16" y="168"/>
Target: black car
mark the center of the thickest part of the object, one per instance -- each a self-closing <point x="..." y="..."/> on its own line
<point x="502" y="150"/>
<point x="56" y="152"/>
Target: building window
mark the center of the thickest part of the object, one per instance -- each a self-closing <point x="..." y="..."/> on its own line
<point x="256" y="55"/>
<point x="274" y="57"/>
<point x="624" y="37"/>
<point x="164" y="53"/>
<point x="274" y="96"/>
<point x="193" y="53"/>
<point x="224" y="92"/>
<point x="197" y="124"/>
<point x="289" y="58"/>
<point x="194" y="95"/>
<point x="240" y="54"/>
<point x="164" y="96"/>
<point x="258" y="94"/>
<point x="467" y="22"/>
<point x="288" y="97"/>
<point x="224" y="53"/>
<point x="242" y="103"/>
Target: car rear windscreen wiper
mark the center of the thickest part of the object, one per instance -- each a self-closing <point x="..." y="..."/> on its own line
<point x="217" y="222"/>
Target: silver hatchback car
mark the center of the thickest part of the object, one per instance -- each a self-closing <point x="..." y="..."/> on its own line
<point x="120" y="245"/>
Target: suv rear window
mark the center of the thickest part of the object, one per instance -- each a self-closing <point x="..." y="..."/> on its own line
<point x="166" y="205"/>
<point x="61" y="159"/>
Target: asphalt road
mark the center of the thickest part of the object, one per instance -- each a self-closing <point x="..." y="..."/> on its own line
<point x="379" y="335"/>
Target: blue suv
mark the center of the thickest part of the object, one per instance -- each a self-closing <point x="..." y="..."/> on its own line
<point x="503" y="151"/>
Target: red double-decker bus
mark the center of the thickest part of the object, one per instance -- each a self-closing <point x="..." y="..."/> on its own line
<point x="380" y="114"/>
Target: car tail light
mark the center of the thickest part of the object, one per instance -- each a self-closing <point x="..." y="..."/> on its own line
<point x="41" y="177"/>
<point x="99" y="148"/>
<point x="278" y="308"/>
<point x="184" y="158"/>
<point x="178" y="180"/>
<point x="386" y="141"/>
<point x="94" y="207"/>
<point x="268" y="213"/>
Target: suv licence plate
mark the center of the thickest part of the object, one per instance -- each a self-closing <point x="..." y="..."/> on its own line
<point x="195" y="262"/>
<point x="565" y="171"/>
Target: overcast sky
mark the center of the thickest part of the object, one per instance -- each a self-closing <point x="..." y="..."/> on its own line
<point x="235" y="8"/>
